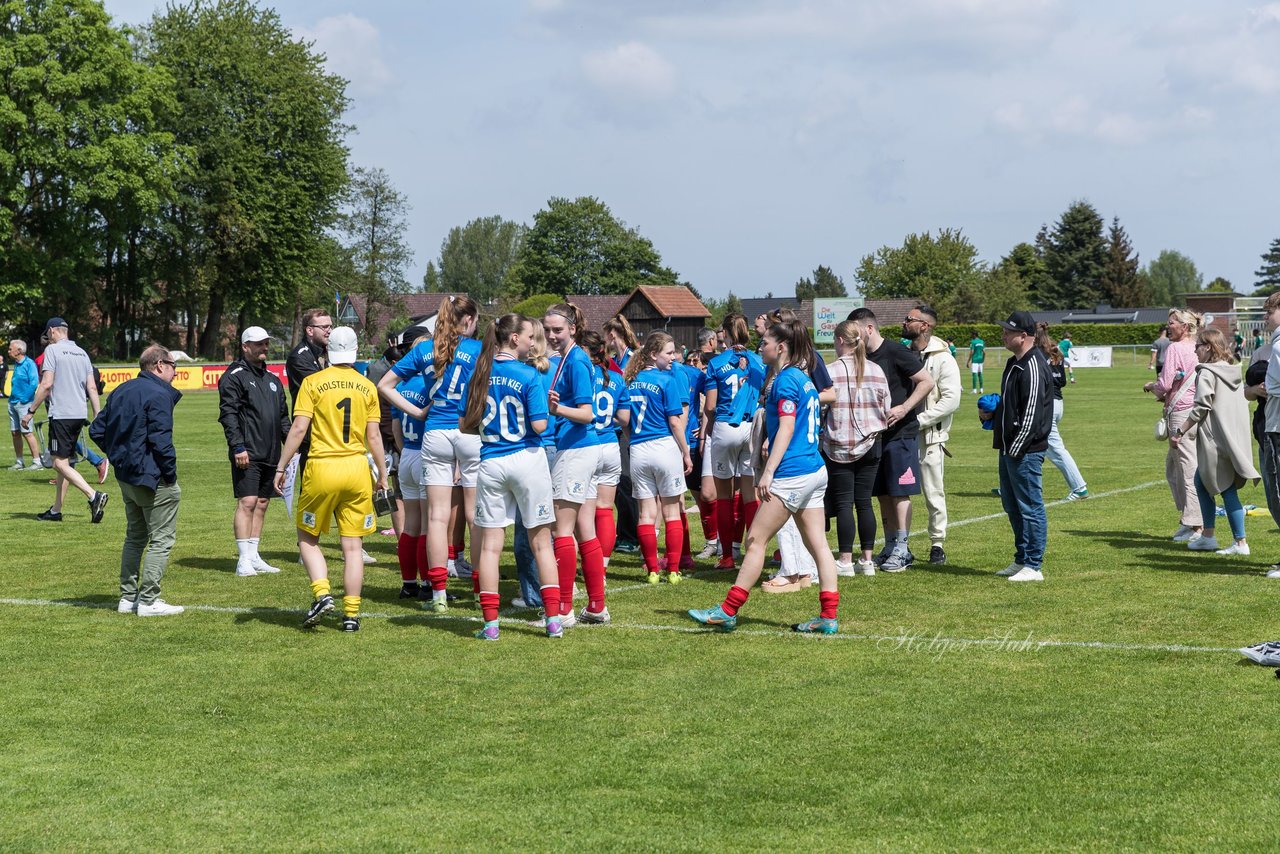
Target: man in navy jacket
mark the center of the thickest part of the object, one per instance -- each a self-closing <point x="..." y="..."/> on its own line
<point x="135" y="431"/>
<point x="1021" y="424"/>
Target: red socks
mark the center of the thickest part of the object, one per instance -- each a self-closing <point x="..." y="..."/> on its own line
<point x="675" y="537"/>
<point x="748" y="513"/>
<point x="830" y="602"/>
<point x="551" y="599"/>
<point x="407" y="555"/>
<point x="567" y="567"/>
<point x="593" y="573"/>
<point x="739" y="518"/>
<point x="707" y="512"/>
<point x="648" y="535"/>
<point x="736" y="599"/>
<point x="489" y="606"/>
<point x="724" y="524"/>
<point x="439" y="577"/>
<point x="606" y="530"/>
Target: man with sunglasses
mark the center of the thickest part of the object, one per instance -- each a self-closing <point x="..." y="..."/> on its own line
<point x="135" y="430"/>
<point x="940" y="405"/>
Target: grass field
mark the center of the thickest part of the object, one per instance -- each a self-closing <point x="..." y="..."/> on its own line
<point x="1102" y="709"/>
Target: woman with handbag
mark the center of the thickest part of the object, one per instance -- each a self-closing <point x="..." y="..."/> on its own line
<point x="1175" y="388"/>
<point x="1224" y="454"/>
<point x="851" y="446"/>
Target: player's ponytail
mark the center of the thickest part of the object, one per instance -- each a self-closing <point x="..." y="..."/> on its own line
<point x="478" y="387"/>
<point x="452" y="312"/>
<point x="735" y="329"/>
<point x="653" y="345"/>
<point x="573" y="316"/>
<point x="538" y="352"/>
<point x="621" y="327"/>
<point x="594" y="345"/>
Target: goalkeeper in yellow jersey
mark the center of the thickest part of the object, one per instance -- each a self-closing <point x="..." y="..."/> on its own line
<point x="340" y="409"/>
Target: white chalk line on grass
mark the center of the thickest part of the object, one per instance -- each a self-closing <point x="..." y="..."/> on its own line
<point x="932" y="645"/>
<point x="703" y="573"/>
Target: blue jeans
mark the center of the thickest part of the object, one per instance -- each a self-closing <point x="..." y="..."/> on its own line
<point x="1230" y="501"/>
<point x="85" y="451"/>
<point x="526" y="566"/>
<point x="1059" y="455"/>
<point x="1023" y="502"/>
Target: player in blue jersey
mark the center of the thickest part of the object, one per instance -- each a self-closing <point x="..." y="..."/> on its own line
<point x="621" y="339"/>
<point x="792" y="482"/>
<point x="572" y="402"/>
<point x="407" y="432"/>
<point x="694" y="383"/>
<point x="610" y="390"/>
<point x="449" y="456"/>
<point x="732" y="390"/>
<point x="659" y="456"/>
<point x="508" y="408"/>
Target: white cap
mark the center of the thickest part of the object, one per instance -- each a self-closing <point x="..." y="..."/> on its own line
<point x="254" y="334"/>
<point x="342" y="346"/>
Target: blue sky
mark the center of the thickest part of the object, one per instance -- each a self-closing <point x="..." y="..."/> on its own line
<point x="753" y="140"/>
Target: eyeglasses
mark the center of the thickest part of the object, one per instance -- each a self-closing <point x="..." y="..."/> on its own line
<point x="170" y="363"/>
<point x="918" y="320"/>
<point x="319" y="326"/>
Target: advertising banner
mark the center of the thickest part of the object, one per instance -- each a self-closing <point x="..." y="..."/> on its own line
<point x="828" y="313"/>
<point x="1090" y="357"/>
<point x="193" y="377"/>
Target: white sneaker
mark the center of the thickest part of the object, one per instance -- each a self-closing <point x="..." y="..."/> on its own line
<point x="1183" y="534"/>
<point x="18" y="466"/>
<point x="1027" y="574"/>
<point x="710" y="551"/>
<point x="263" y="567"/>
<point x="845" y="569"/>
<point x="244" y="569"/>
<point x="1235" y="549"/>
<point x="1011" y="569"/>
<point x="368" y="558"/>
<point x="865" y="567"/>
<point x="518" y="602"/>
<point x="1203" y="544"/>
<point x="568" y="621"/>
<point x="1274" y="572"/>
<point x="127" y="606"/>
<point x="596" y="617"/>
<point x="159" y="608"/>
<point x="36" y="465"/>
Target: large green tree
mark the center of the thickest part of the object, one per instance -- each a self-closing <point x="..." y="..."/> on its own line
<point x="1267" y="277"/>
<point x="1075" y="255"/>
<point x="579" y="247"/>
<point x="924" y="267"/>
<point x="264" y="121"/>
<point x="477" y="258"/>
<point x="1123" y="282"/>
<point x="823" y="283"/>
<point x="84" y="164"/>
<point x="372" y="223"/>
<point x="986" y="298"/>
<point x="1172" y="274"/>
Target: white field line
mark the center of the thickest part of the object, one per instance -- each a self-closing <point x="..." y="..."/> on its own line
<point x="612" y="591"/>
<point x="918" y="643"/>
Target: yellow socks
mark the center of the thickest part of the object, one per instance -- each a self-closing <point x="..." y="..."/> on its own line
<point x="320" y="588"/>
<point x="350" y="605"/>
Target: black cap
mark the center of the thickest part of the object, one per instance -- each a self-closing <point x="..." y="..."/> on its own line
<point x="1020" y="321"/>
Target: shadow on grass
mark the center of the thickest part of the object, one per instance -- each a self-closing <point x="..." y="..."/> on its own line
<point x="988" y="494"/>
<point x="274" y="617"/>
<point x="1125" y="539"/>
<point x="95" y="600"/>
<point x="215" y="564"/>
<point x="948" y="568"/>
<point x="1209" y="564"/>
<point x="449" y="624"/>
<point x="745" y="621"/>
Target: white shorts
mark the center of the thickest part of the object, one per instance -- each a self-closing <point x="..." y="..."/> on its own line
<point x="515" y="481"/>
<point x="976" y="367"/>
<point x="410" y="473"/>
<point x="706" y="456"/>
<point x="657" y="469"/>
<point x="730" y="450"/>
<point x="572" y="472"/>
<point x="801" y="492"/>
<point x="450" y="458"/>
<point x="608" y="469"/>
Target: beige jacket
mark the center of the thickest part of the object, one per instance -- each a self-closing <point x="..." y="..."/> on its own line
<point x="941" y="403"/>
<point x="1224" y="448"/>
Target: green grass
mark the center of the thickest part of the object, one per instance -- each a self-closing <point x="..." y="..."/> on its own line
<point x="223" y="729"/>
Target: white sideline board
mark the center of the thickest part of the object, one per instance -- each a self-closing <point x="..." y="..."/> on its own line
<point x="1090" y="357"/>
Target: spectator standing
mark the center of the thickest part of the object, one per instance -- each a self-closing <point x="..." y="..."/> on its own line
<point x="1158" y="348"/>
<point x="1057" y="450"/>
<point x="1224" y="455"/>
<point x="1175" y="388"/>
<point x="23" y="391"/>
<point x="135" y="429"/>
<point x="65" y="381"/>
<point x="1262" y="383"/>
<point x="940" y="405"/>
<point x="1021" y="424"/>
<point x="899" y="476"/>
<point x="255" y="418"/>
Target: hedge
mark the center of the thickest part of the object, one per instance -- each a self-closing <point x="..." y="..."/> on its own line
<point x="1083" y="334"/>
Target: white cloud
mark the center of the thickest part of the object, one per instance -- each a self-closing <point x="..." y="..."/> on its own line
<point x="631" y="70"/>
<point x="1074" y="117"/>
<point x="353" y="48"/>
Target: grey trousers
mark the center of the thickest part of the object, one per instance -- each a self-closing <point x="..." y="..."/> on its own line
<point x="152" y="517"/>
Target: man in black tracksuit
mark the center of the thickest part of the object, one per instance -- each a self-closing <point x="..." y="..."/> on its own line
<point x="1022" y="422"/>
<point x="255" y="418"/>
